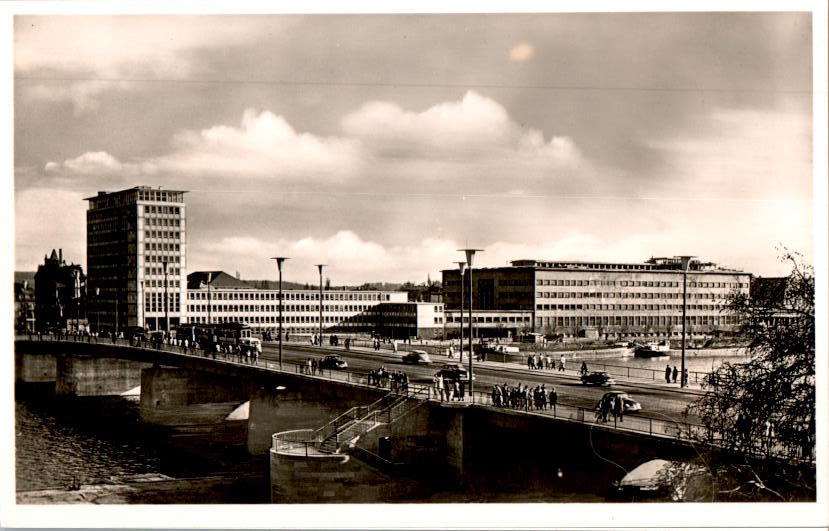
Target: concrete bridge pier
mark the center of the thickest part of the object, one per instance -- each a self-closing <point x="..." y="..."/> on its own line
<point x="92" y="376"/>
<point x="35" y="368"/>
<point x="173" y="396"/>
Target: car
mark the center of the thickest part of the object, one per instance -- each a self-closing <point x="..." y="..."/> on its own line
<point x="597" y="378"/>
<point x="631" y="405"/>
<point x="452" y="371"/>
<point x="333" y="362"/>
<point x="250" y="344"/>
<point x="417" y="357"/>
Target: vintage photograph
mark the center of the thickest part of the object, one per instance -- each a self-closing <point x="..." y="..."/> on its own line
<point x="377" y="259"/>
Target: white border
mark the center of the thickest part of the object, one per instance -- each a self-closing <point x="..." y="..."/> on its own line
<point x="420" y="515"/>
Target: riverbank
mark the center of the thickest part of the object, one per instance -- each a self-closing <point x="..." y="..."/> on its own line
<point x="156" y="488"/>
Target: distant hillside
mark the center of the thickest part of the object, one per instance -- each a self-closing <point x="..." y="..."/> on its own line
<point x="20" y="276"/>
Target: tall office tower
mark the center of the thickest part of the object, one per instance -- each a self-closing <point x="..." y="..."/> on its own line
<point x="135" y="255"/>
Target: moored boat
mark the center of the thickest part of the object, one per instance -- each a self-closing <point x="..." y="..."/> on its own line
<point x="653" y="350"/>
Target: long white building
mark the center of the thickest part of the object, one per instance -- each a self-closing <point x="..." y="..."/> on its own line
<point x="216" y="297"/>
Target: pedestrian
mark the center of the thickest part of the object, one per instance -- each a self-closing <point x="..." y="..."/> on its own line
<point x="462" y="389"/>
<point x="530" y="361"/>
<point x="553" y="398"/>
<point x="619" y="408"/>
<point x="455" y="390"/>
<point x="675" y="373"/>
<point x="685" y="378"/>
<point x="561" y="363"/>
<point x="668" y="373"/>
<point x="583" y="371"/>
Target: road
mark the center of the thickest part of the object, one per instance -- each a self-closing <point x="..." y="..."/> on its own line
<point x="657" y="400"/>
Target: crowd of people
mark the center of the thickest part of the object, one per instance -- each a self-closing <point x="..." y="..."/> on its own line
<point x="610" y="405"/>
<point x="542" y="362"/>
<point x="524" y="397"/>
<point x="448" y="389"/>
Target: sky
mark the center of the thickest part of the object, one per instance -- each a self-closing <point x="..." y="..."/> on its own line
<point x="380" y="144"/>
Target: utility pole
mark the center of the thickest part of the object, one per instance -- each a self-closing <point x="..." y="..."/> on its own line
<point x="320" y="266"/>
<point x="470" y="255"/>
<point x="461" y="266"/>
<point x="279" y="261"/>
<point x="166" y="303"/>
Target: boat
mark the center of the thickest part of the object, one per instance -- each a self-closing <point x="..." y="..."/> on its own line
<point x="653" y="350"/>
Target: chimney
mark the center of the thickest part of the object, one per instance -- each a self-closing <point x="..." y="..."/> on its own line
<point x="60" y="256"/>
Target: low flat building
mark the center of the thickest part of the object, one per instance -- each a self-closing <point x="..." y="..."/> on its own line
<point x="216" y="297"/>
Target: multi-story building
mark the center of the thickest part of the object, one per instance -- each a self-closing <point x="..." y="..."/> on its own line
<point x="572" y="298"/>
<point x="216" y="297"/>
<point x="60" y="294"/>
<point x="136" y="258"/>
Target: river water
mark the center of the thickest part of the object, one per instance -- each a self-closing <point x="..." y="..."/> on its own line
<point x="101" y="440"/>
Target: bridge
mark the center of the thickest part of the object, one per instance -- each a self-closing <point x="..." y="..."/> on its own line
<point x="414" y="429"/>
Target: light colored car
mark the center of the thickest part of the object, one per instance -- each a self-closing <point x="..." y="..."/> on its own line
<point x="417" y="357"/>
<point x="631" y="405"/>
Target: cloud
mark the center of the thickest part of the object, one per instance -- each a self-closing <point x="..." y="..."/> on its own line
<point x="462" y="131"/>
<point x="740" y="153"/>
<point x="265" y="146"/>
<point x="521" y="52"/>
<point x="101" y="50"/>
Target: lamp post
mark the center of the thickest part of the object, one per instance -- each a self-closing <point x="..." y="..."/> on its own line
<point x="461" y="266"/>
<point x="470" y="255"/>
<point x="279" y="261"/>
<point x="320" y="266"/>
<point x="209" y="280"/>
<point x="685" y="261"/>
<point x="166" y="304"/>
<point x="97" y="311"/>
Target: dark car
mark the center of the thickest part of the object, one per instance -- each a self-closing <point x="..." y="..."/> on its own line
<point x="453" y="371"/>
<point x="333" y="362"/>
<point x="417" y="357"/>
<point x="597" y="378"/>
<point x="631" y="405"/>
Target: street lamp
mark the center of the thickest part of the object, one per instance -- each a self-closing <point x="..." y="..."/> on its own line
<point x="97" y="311"/>
<point x="166" y="303"/>
<point x="279" y="261"/>
<point x="685" y="262"/>
<point x="320" y="266"/>
<point x="470" y="255"/>
<point x="461" y="266"/>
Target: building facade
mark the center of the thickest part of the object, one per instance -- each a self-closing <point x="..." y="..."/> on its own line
<point x="407" y="320"/>
<point x="136" y="258"/>
<point x="571" y="298"/>
<point x="216" y="297"/>
<point x="60" y="294"/>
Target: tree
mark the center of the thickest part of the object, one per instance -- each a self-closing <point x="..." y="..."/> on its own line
<point x="763" y="411"/>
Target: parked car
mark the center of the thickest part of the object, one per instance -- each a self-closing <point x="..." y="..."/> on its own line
<point x="453" y="371"/>
<point x="333" y="362"/>
<point x="597" y="378"/>
<point x="417" y="357"/>
<point x="631" y="405"/>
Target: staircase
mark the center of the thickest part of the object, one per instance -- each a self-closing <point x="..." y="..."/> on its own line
<point x="344" y="430"/>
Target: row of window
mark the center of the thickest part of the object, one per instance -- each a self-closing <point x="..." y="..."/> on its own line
<point x="174" y="247"/>
<point x="161" y="258"/>
<point x="162" y="209"/>
<point x="639" y="283"/>
<point x="243" y="295"/>
<point x="490" y="319"/>
<point x="348" y="308"/>
<point x="621" y="321"/>
<point x="623" y="295"/>
<point x="631" y="307"/>
<point x="171" y="271"/>
<point x="169" y="234"/>
<point x="159" y="195"/>
<point x="162" y="222"/>
<point x="159" y="283"/>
